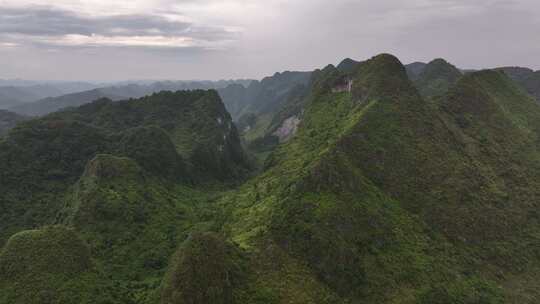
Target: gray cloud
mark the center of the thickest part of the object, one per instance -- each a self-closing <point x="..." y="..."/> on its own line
<point x="72" y="39"/>
<point x="47" y="25"/>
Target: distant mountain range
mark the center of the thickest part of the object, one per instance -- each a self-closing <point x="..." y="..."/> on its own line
<point x="42" y="106"/>
<point x="527" y="78"/>
<point x="12" y="96"/>
<point x="16" y="92"/>
<point x="241" y="97"/>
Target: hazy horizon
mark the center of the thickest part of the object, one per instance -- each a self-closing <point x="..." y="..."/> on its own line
<point x="99" y="41"/>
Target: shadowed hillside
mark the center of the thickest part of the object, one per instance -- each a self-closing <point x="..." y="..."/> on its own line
<point x="527" y="78"/>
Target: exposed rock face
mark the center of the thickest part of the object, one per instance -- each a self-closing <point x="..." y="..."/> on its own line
<point x="288" y="129"/>
<point x="346" y="86"/>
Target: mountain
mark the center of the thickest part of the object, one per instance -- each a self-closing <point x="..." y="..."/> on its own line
<point x="414" y="69"/>
<point x="270" y="106"/>
<point x="11" y="96"/>
<point x="347" y="65"/>
<point x="129" y="180"/>
<point x="518" y="74"/>
<point x="385" y="197"/>
<point x="435" y="78"/>
<point x="379" y="194"/>
<point x="117" y="92"/>
<point x="262" y="97"/>
<point x="527" y="78"/>
<point x="532" y="85"/>
<point x="198" y="123"/>
<point x="52" y="104"/>
<point x="42" y="157"/>
<point x="263" y="131"/>
<point x="9" y="120"/>
<point x="17" y="82"/>
<point x="269" y="112"/>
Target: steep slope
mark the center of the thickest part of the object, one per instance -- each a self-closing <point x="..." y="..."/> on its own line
<point x="41" y="158"/>
<point x="264" y="96"/>
<point x="415" y="69"/>
<point x="347" y="65"/>
<point x="132" y="219"/>
<point x="435" y="78"/>
<point x="532" y="85"/>
<point x="204" y="270"/>
<point x="133" y="178"/>
<point x="527" y="78"/>
<point x="197" y="122"/>
<point x="234" y="96"/>
<point x="8" y="120"/>
<point x="518" y="74"/>
<point x="388" y="198"/>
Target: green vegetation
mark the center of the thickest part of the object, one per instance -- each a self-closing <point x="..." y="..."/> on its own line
<point x="360" y="197"/>
<point x="262" y="97"/>
<point x="526" y="78"/>
<point x="205" y="269"/>
<point x="196" y="121"/>
<point x="397" y="191"/>
<point x="133" y="178"/>
<point x="8" y="120"/>
<point x="51" y="265"/>
<point x="532" y="84"/>
<point x="133" y="220"/>
<point x="153" y="149"/>
<point x="436" y="78"/>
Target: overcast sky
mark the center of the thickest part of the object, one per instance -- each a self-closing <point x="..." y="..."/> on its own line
<point x="214" y="39"/>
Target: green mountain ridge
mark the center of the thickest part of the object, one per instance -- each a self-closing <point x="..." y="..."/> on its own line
<point x="436" y="77"/>
<point x="391" y="189"/>
<point x="263" y="96"/>
<point x="187" y="132"/>
<point x="337" y="185"/>
<point x="527" y="78"/>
